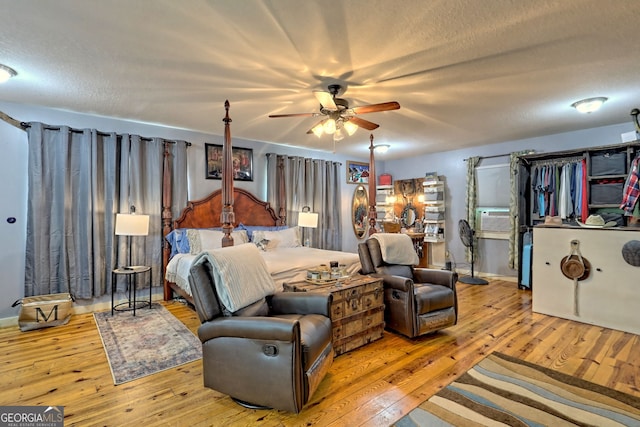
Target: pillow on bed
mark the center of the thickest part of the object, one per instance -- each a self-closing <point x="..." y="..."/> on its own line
<point x="251" y="228"/>
<point x="204" y="239"/>
<point x="288" y="238"/>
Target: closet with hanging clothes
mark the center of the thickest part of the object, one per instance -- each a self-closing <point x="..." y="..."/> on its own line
<point x="565" y="187"/>
<point x="576" y="269"/>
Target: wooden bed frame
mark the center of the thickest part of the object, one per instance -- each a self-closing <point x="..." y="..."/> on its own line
<point x="217" y="209"/>
<point x="206" y="213"/>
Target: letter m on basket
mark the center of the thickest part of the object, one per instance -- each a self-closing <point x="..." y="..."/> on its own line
<point x="42" y="315"/>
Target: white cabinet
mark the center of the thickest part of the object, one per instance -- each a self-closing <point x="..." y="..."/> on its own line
<point x="434" y="211"/>
<point x="384" y="203"/>
<point x="609" y="296"/>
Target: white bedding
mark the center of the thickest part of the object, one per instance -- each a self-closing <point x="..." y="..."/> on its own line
<point x="284" y="264"/>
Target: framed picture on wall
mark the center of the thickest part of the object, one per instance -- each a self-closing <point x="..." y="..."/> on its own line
<point x="357" y="172"/>
<point x="242" y="162"/>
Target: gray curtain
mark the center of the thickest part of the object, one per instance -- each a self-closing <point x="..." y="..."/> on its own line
<point x="470" y="202"/>
<point x="141" y="188"/>
<point x="308" y="182"/>
<point x="179" y="177"/>
<point x="78" y="181"/>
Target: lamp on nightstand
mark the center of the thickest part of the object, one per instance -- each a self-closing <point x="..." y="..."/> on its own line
<point x="307" y="219"/>
<point x="131" y="224"/>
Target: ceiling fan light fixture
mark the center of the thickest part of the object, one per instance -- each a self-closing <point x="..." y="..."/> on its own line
<point x="329" y="126"/>
<point x="381" y="148"/>
<point x="6" y="73"/>
<point x="350" y="127"/>
<point x="589" y="105"/>
<point x="338" y="135"/>
<point x="318" y="129"/>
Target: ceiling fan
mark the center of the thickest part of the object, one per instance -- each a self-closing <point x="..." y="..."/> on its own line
<point x="338" y="115"/>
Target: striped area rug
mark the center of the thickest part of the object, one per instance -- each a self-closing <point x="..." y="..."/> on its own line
<point x="502" y="390"/>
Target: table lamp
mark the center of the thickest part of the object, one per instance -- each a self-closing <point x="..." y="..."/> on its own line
<point x="131" y="224"/>
<point x="307" y="219"/>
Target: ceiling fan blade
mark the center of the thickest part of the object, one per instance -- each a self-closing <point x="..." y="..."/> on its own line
<point x="325" y="99"/>
<point x="319" y="123"/>
<point x="294" y="115"/>
<point x="385" y="106"/>
<point x="364" y="124"/>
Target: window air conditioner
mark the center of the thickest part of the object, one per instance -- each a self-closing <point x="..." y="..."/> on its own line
<point x="495" y="220"/>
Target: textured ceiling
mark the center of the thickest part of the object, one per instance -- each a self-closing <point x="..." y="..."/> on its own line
<point x="466" y="73"/>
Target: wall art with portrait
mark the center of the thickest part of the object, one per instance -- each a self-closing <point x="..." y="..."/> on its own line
<point x="357" y="172"/>
<point x="242" y="162"/>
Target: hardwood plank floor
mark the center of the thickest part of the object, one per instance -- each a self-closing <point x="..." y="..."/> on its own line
<point x="371" y="386"/>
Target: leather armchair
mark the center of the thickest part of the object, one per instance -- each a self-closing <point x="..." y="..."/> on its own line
<point x="272" y="354"/>
<point x="417" y="301"/>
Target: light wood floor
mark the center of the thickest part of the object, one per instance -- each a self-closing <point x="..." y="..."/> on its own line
<point x="371" y="386"/>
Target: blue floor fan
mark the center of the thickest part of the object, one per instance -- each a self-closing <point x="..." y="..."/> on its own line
<point x="466" y="236"/>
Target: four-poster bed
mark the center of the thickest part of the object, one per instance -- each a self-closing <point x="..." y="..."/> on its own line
<point x="234" y="211"/>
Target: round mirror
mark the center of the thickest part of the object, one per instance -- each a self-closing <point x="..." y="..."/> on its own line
<point x="409" y="216"/>
<point x="359" y="209"/>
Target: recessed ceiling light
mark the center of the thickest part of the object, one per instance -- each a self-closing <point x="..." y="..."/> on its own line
<point x="589" y="105"/>
<point x="6" y="73"/>
<point x="382" y="148"/>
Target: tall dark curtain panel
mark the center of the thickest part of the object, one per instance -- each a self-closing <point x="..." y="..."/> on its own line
<point x="303" y="182"/>
<point x="78" y="181"/>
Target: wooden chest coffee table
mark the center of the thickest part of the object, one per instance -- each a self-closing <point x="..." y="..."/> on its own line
<point x="357" y="310"/>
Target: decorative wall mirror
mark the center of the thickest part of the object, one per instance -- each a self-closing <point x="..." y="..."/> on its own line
<point x="409" y="216"/>
<point x="359" y="210"/>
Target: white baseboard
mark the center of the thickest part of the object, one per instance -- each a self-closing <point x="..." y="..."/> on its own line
<point x="102" y="303"/>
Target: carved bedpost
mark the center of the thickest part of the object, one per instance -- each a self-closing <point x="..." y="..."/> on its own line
<point x="372" y="189"/>
<point x="282" y="212"/>
<point x="166" y="214"/>
<point x="227" y="217"/>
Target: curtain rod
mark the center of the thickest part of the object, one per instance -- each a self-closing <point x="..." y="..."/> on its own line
<point x="519" y="153"/>
<point x="24" y="125"/>
<point x="489" y="157"/>
<point x="13" y="122"/>
<point x="303" y="157"/>
<point x="101" y="133"/>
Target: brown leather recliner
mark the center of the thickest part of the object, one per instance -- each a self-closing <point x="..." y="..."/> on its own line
<point x="417" y="301"/>
<point x="272" y="354"/>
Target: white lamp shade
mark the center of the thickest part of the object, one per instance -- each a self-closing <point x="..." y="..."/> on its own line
<point x="350" y="127"/>
<point x="318" y="130"/>
<point x="308" y="219"/>
<point x="329" y="126"/>
<point x="132" y="225"/>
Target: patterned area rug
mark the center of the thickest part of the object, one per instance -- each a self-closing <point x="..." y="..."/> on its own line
<point x="502" y="390"/>
<point x="152" y="341"/>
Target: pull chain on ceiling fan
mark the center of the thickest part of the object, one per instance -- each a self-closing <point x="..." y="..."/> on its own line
<point x="339" y="117"/>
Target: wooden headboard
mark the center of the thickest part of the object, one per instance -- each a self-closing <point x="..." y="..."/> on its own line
<point x="248" y="209"/>
<point x="206" y="213"/>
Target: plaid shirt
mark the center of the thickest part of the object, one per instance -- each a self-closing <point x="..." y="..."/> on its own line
<point x="631" y="190"/>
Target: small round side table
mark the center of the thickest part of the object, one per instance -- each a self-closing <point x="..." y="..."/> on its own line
<point x="131" y="273"/>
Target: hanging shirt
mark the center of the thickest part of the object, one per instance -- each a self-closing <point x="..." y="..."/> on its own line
<point x="534" y="188"/>
<point x="542" y="190"/>
<point x="577" y="201"/>
<point x="562" y="206"/>
<point x="584" y="211"/>
<point x="572" y="189"/>
<point x="631" y="190"/>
